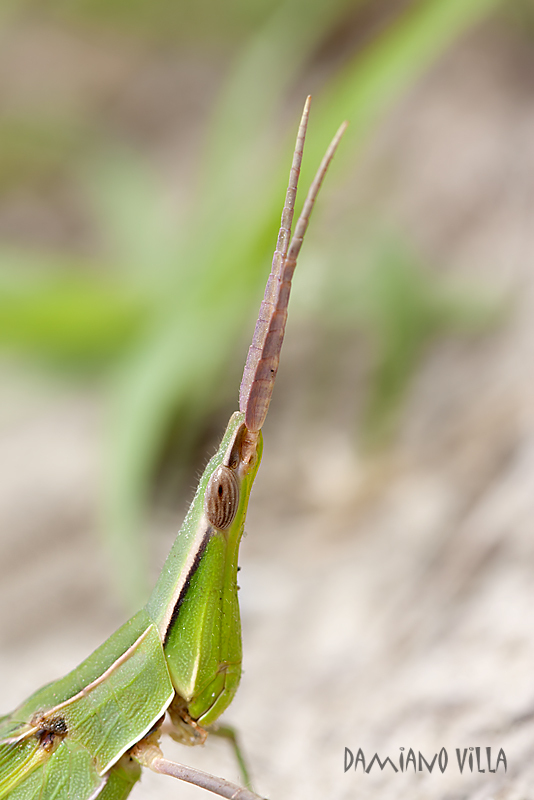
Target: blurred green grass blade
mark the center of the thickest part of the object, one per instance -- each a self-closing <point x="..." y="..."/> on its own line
<point x="137" y="224"/>
<point x="404" y="308"/>
<point x="65" y="316"/>
<point x="262" y="74"/>
<point x="365" y="88"/>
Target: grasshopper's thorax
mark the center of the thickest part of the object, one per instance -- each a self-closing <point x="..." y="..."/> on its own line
<point x="195" y="602"/>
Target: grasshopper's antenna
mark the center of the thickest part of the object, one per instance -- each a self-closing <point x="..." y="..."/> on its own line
<point x="264" y="352"/>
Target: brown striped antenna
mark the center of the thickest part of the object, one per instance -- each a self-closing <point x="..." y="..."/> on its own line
<point x="264" y="353"/>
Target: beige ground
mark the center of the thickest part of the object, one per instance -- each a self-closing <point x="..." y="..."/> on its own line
<point x="385" y="604"/>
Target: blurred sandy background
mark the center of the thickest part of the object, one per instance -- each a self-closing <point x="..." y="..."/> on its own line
<point x="387" y="581"/>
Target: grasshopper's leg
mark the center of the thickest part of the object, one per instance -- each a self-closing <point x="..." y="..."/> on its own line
<point x="230" y="733"/>
<point x="148" y="754"/>
<point x="183" y="729"/>
<point x="121" y="779"/>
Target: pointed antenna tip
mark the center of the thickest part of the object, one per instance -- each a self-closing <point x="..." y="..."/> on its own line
<point x="262" y="360"/>
<point x="306" y="110"/>
<point x="342" y="128"/>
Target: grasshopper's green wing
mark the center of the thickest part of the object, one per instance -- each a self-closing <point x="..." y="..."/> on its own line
<point x="70" y="774"/>
<point x="121" y="779"/>
<point x="17" y="760"/>
<point x="80" y="726"/>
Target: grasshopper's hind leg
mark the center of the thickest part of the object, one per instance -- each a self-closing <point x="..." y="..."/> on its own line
<point x="148" y="754"/>
<point x="185" y="730"/>
<point x="229" y="732"/>
<point x="121" y="779"/>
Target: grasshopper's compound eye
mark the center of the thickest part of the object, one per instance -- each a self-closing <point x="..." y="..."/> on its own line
<point x="234" y="457"/>
<point x="222" y="498"/>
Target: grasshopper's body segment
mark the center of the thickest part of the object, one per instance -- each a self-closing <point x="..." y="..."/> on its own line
<point x="87" y="735"/>
<point x="195" y="603"/>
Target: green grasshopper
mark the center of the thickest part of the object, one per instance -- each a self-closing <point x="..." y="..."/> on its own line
<point x="88" y="734"/>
